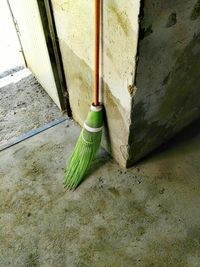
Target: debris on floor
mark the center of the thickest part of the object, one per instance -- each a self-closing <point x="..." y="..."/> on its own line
<point x="144" y="216"/>
<point x="24" y="105"/>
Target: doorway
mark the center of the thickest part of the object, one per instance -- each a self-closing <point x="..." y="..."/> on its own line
<point x="10" y="49"/>
<point x="29" y="98"/>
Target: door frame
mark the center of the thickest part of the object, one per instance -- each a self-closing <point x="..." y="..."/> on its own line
<point x="49" y="27"/>
<point x="52" y="42"/>
<point x="17" y="31"/>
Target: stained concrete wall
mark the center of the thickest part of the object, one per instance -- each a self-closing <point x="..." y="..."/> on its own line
<point x="167" y="75"/>
<point x="147" y="101"/>
<point x="74" y="24"/>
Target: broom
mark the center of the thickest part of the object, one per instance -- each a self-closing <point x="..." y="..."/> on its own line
<point x="90" y="138"/>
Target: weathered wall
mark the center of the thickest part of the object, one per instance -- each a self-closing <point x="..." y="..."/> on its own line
<point x="27" y="16"/>
<point x="74" y="23"/>
<point x="167" y="75"/>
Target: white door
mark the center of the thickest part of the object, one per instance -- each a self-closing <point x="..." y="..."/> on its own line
<point x="29" y="26"/>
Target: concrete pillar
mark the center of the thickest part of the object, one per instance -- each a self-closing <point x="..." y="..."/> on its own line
<point x="150" y="74"/>
<point x="167" y="74"/>
<point x="74" y="23"/>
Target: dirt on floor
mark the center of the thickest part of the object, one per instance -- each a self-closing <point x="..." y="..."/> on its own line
<point x="24" y="105"/>
<point x="146" y="216"/>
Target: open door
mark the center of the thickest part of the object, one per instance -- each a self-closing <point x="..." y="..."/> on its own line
<point x="39" y="52"/>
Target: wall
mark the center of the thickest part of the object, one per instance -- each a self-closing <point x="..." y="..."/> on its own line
<point x="10" y="49"/>
<point x="145" y="108"/>
<point x="168" y="74"/>
<point x="27" y="16"/>
<point x="74" y="23"/>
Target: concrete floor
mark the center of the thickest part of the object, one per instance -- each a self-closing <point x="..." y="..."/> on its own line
<point x="24" y="105"/>
<point x="146" y="216"/>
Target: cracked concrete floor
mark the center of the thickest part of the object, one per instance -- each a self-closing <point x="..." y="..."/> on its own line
<point x="146" y="216"/>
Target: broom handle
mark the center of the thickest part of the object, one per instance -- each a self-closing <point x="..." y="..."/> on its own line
<point x="96" y="50"/>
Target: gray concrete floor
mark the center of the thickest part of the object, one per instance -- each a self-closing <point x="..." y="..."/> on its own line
<point x="24" y="105"/>
<point x="146" y="216"/>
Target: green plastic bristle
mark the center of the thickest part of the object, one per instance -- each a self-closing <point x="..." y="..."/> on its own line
<point x="85" y="150"/>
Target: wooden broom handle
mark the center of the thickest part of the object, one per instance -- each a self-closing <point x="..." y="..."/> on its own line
<point x="97" y="22"/>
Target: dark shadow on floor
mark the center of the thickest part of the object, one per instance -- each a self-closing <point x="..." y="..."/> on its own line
<point x="186" y="141"/>
<point x="101" y="159"/>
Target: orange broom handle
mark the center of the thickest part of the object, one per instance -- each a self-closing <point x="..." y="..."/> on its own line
<point x="96" y="50"/>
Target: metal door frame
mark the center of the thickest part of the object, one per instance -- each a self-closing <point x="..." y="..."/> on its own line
<point x="48" y="23"/>
<point x="52" y="42"/>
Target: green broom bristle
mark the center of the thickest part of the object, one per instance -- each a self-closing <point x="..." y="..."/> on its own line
<point x="85" y="150"/>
